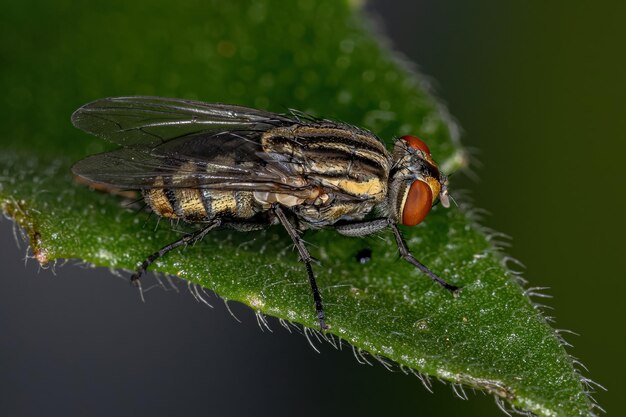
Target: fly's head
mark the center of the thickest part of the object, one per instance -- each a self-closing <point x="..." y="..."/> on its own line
<point x="415" y="182"/>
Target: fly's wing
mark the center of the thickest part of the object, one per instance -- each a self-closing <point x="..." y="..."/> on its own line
<point x="151" y="121"/>
<point x="223" y="160"/>
<point x="183" y="143"/>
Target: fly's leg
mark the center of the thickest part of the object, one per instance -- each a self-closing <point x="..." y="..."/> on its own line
<point x="372" y="226"/>
<point x="359" y="229"/>
<point x="407" y="256"/>
<point x="185" y="240"/>
<point x="306" y="258"/>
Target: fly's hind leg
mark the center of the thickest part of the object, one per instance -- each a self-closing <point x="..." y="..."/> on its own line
<point x="185" y="240"/>
<point x="306" y="258"/>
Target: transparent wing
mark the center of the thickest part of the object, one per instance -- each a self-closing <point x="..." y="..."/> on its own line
<point x="231" y="160"/>
<point x="150" y="121"/>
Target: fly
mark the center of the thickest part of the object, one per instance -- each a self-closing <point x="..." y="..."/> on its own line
<point x="225" y="166"/>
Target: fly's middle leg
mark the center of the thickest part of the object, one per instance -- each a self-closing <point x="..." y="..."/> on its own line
<point x="185" y="240"/>
<point x="305" y="256"/>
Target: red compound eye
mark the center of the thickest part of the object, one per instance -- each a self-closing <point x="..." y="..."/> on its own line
<point x="416" y="143"/>
<point x="418" y="203"/>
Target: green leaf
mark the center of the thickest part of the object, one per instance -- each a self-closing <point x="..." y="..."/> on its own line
<point x="318" y="57"/>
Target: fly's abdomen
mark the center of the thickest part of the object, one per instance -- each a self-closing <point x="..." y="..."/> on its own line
<point x="198" y="205"/>
<point x="231" y="204"/>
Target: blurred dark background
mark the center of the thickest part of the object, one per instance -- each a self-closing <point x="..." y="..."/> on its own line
<point x="539" y="90"/>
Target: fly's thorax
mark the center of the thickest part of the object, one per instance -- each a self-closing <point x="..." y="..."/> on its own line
<point x="345" y="169"/>
<point x="415" y="182"/>
<point x="333" y="157"/>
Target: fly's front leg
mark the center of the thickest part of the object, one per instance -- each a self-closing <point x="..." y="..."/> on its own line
<point x="368" y="227"/>
<point x="185" y="240"/>
<point x="306" y="258"/>
<point x="364" y="228"/>
<point x="406" y="254"/>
